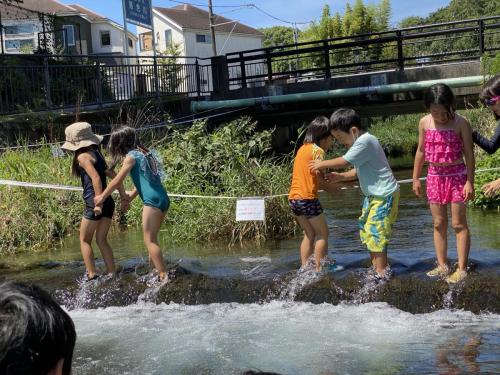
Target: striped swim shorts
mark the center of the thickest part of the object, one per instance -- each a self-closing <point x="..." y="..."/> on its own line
<point x="376" y="220"/>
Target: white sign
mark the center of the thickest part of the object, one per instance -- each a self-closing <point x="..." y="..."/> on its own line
<point x="250" y="210"/>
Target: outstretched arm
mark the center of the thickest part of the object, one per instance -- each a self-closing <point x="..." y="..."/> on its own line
<point x="488" y="145"/>
<point x="127" y="166"/>
<point x="470" y="162"/>
<point x="419" y="161"/>
<point x="337" y="163"/>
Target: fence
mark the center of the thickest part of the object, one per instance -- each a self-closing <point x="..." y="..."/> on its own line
<point x="38" y="82"/>
<point x="395" y="49"/>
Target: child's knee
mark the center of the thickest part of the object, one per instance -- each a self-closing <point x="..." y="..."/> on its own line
<point x="459" y="226"/>
<point x="440" y="223"/>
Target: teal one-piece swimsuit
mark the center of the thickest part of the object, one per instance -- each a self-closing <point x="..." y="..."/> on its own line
<point x="146" y="175"/>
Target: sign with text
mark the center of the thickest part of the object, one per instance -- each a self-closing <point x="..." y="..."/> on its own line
<point x="250" y="210"/>
<point x="138" y="12"/>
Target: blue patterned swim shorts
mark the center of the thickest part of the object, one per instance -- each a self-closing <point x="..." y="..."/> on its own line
<point x="306" y="207"/>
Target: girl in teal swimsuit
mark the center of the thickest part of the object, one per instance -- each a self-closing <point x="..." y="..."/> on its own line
<point x="146" y="174"/>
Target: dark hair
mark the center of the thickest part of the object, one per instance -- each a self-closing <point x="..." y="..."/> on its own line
<point x="491" y="89"/>
<point x="440" y="94"/>
<point x="318" y="129"/>
<point x="75" y="166"/>
<point x="35" y="332"/>
<point x="122" y="140"/>
<point x="344" y="119"/>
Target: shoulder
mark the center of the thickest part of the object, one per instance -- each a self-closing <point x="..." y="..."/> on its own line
<point x="423" y="123"/>
<point x="135" y="154"/>
<point x="86" y="157"/>
<point x="463" y="123"/>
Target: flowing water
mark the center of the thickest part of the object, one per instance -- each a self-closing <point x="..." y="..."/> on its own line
<point x="280" y="333"/>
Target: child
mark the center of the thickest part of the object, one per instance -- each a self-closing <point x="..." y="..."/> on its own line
<point x="490" y="96"/>
<point x="445" y="138"/>
<point x="145" y="171"/>
<point x="380" y="207"/>
<point x="303" y="195"/>
<point x="90" y="166"/>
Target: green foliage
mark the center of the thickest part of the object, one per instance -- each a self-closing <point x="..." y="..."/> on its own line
<point x="277" y="36"/>
<point x="490" y="66"/>
<point x="398" y="135"/>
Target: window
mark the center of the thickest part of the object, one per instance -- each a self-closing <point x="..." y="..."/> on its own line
<point x="19" y="45"/>
<point x="130" y="43"/>
<point x="168" y="38"/>
<point x="203" y="38"/>
<point x="146" y="41"/>
<point x="68" y="35"/>
<point x="19" y="29"/>
<point x="105" y="38"/>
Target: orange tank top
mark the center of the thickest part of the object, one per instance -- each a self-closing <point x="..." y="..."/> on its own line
<point x="304" y="182"/>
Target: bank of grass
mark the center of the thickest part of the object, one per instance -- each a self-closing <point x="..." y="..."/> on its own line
<point x="229" y="161"/>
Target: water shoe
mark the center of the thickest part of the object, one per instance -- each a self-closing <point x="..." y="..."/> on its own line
<point x="439" y="272"/>
<point x="456" y="277"/>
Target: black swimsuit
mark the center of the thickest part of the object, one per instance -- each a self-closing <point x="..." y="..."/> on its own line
<point x="108" y="206"/>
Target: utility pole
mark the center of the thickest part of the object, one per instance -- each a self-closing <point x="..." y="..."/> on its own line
<point x="212" y="27"/>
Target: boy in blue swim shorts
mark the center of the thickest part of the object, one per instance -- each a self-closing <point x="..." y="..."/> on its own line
<point x="371" y="168"/>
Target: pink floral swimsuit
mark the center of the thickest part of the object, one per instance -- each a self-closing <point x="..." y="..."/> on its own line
<point x="445" y="183"/>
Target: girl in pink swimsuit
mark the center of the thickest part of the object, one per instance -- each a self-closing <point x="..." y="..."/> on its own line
<point x="445" y="140"/>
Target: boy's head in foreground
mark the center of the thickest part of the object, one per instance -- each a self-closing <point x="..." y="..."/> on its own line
<point x="37" y="336"/>
<point x="346" y="126"/>
<point x="319" y="133"/>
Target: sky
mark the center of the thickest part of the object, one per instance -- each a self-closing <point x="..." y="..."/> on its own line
<point x="288" y="10"/>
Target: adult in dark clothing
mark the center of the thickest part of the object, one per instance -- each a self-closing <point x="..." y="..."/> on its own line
<point x="490" y="96"/>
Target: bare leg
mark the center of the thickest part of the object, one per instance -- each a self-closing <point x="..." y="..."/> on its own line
<point x="151" y="222"/>
<point x="440" y="218"/>
<point x="87" y="229"/>
<point x="101" y="237"/>
<point x="379" y="260"/>
<point x="307" y="244"/>
<point x="459" y="224"/>
<point x="321" y="240"/>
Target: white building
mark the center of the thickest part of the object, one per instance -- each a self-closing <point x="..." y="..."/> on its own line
<point x="188" y="27"/>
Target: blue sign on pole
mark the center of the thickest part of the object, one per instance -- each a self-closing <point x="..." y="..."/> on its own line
<point x="139" y="12"/>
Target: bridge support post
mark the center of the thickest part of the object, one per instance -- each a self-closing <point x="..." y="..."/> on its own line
<point x="401" y="59"/>
<point x="269" y="67"/>
<point x="481" y="37"/>
<point x="220" y="76"/>
<point x="327" y="60"/>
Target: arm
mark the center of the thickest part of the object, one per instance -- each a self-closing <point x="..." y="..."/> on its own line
<point x="488" y="145"/>
<point x="350" y="175"/>
<point x="419" y="160"/>
<point x="121" y="189"/>
<point x="337" y="163"/>
<point x="87" y="163"/>
<point x="470" y="162"/>
<point x="127" y="166"/>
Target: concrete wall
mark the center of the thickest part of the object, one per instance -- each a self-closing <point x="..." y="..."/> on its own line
<point x="161" y="24"/>
<point x="116" y="35"/>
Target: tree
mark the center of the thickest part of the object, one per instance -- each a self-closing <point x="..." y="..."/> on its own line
<point x="277" y="36"/>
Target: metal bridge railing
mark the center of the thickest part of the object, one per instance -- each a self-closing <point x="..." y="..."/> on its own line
<point x="37" y="82"/>
<point x="393" y="49"/>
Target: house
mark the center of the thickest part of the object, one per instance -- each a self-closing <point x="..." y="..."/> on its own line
<point x="187" y="26"/>
<point x="60" y="28"/>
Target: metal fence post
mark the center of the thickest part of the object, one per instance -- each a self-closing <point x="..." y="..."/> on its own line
<point x="269" y="67"/>
<point x="327" y="60"/>
<point x="99" y="82"/>
<point x="243" y="71"/>
<point x="401" y="59"/>
<point x="48" y="98"/>
<point x="198" y="81"/>
<point x="481" y="37"/>
<point x="155" y="69"/>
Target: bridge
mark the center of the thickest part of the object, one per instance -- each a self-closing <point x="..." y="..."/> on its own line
<point x="368" y="71"/>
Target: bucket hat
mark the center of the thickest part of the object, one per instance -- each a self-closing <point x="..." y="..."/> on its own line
<point x="80" y="135"/>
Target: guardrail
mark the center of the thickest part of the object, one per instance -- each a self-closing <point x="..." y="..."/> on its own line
<point x="38" y="82"/>
<point x="393" y="49"/>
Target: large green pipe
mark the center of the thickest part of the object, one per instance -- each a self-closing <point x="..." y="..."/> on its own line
<point x="338" y="93"/>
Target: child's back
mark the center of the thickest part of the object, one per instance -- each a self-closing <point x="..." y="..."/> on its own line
<point x="305" y="183"/>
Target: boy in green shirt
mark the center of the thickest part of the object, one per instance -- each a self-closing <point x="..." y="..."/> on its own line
<point x="381" y="190"/>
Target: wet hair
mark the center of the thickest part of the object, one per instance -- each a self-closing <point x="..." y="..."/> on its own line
<point x="35" y="332"/>
<point x="440" y="94"/>
<point x="344" y="119"/>
<point x="491" y="89"/>
<point x="122" y="140"/>
<point x="318" y="129"/>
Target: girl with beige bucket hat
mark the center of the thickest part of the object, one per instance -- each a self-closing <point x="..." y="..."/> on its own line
<point x="90" y="166"/>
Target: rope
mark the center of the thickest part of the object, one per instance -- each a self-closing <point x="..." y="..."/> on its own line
<point x="76" y="188"/>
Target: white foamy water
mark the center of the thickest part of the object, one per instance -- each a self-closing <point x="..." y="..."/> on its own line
<point x="287" y="338"/>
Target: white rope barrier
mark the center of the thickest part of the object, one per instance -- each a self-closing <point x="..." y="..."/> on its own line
<point x="76" y="188"/>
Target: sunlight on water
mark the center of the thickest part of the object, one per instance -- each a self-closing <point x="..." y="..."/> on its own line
<point x="288" y="338"/>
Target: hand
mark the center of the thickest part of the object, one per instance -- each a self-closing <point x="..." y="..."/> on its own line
<point x="468" y="191"/>
<point x="314" y="165"/>
<point x="98" y="200"/>
<point x="124" y="205"/>
<point x="417" y="188"/>
<point x="333" y="177"/>
<point x="97" y="210"/>
<point x="491" y="188"/>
